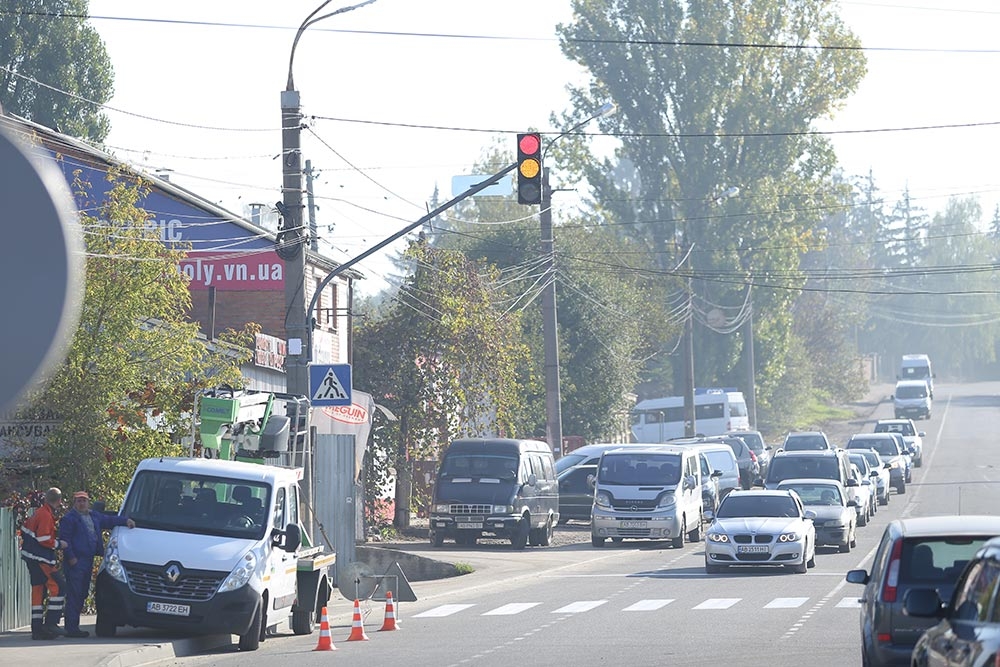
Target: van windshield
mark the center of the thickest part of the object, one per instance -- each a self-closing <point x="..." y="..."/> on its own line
<point x="823" y="467"/>
<point x="915" y="373"/>
<point x="640" y="469"/>
<point x="200" y="504"/>
<point x="479" y="465"/>
<point x="911" y="391"/>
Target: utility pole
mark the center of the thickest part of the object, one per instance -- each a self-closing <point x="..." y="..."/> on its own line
<point x="689" y="416"/>
<point x="553" y="398"/>
<point x="751" y="373"/>
<point x="311" y="206"/>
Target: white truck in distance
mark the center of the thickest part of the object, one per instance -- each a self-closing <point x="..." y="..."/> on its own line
<point x="218" y="545"/>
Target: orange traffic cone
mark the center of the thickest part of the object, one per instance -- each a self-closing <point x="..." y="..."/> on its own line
<point x="325" y="643"/>
<point x="390" y="614"/>
<point x="357" y="627"/>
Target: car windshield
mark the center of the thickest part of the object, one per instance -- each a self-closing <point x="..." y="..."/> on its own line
<point x="902" y="427"/>
<point x="884" y="446"/>
<point x="805" y="442"/>
<point x="788" y="467"/>
<point x="198" y="504"/>
<point x="568" y="461"/>
<point x="757" y="505"/>
<point x="816" y="494"/>
<point x="479" y="465"/>
<point x="640" y="469"/>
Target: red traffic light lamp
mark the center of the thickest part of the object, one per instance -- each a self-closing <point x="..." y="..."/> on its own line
<point x="529" y="168"/>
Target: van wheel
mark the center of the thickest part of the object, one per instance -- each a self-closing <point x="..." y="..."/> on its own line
<point x="596" y="541"/>
<point x="678" y="542"/>
<point x="694" y="535"/>
<point x="547" y="531"/>
<point x="519" y="538"/>
<point x="303" y="621"/>
<point x="104" y="628"/>
<point x="437" y="539"/>
<point x="901" y="487"/>
<point x="251" y="640"/>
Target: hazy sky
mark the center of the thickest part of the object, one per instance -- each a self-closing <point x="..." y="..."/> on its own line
<point x="198" y="93"/>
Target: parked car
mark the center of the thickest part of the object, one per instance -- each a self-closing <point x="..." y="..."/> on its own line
<point x="755" y="440"/>
<point x="799" y="441"/>
<point x="911" y="436"/>
<point x="576" y="493"/>
<point x="869" y="484"/>
<point x="836" y="520"/>
<point x="889" y="449"/>
<point x="880" y="472"/>
<point x="922" y="552"/>
<point x="968" y="631"/>
<point x="761" y="528"/>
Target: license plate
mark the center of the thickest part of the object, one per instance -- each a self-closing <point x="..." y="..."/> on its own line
<point x="168" y="608"/>
<point x="469" y="519"/>
<point x="470" y="525"/>
<point x="752" y="549"/>
<point x="633" y="524"/>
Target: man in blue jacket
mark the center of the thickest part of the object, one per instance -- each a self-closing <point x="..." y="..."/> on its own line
<point x="81" y="528"/>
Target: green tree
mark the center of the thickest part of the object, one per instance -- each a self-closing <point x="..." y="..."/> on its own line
<point x="444" y="359"/>
<point x="714" y="95"/>
<point x="125" y="390"/>
<point x="54" y="69"/>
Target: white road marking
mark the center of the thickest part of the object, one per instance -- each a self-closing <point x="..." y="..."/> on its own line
<point x="578" y="607"/>
<point x="786" y="603"/>
<point x="443" y="610"/>
<point x="717" y="603"/>
<point x="648" y="605"/>
<point x="511" y="609"/>
<point x="849" y="603"/>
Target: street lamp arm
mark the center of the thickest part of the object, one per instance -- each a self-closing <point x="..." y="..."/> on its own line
<point x="310" y="21"/>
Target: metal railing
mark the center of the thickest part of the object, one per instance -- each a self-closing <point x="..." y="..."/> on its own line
<point x="15" y="587"/>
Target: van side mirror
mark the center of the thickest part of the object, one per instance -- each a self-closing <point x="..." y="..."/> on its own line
<point x="288" y="539"/>
<point x="532" y="480"/>
<point x="922" y="434"/>
<point x="591" y="481"/>
<point x="690" y="482"/>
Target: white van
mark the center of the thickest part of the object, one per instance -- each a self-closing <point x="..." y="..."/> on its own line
<point x="912" y="398"/>
<point x="716" y="411"/>
<point x="917" y="367"/>
<point x="651" y="493"/>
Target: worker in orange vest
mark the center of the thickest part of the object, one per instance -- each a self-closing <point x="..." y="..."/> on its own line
<point x="38" y="550"/>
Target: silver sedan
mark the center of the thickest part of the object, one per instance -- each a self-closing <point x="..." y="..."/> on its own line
<point x="836" y="516"/>
<point x="760" y="528"/>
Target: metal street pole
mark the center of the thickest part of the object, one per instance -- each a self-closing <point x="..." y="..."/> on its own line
<point x="689" y="414"/>
<point x="550" y="337"/>
<point x="751" y="373"/>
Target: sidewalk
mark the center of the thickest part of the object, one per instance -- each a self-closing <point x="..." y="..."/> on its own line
<point x="130" y="648"/>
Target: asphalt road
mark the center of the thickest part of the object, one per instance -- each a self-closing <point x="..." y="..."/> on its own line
<point x="642" y="603"/>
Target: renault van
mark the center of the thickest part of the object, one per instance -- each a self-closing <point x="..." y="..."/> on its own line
<point x="651" y="493"/>
<point x="497" y="487"/>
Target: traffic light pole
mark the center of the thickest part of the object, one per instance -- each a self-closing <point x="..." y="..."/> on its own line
<point x="553" y="399"/>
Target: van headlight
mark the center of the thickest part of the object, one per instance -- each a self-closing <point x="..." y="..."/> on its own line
<point x="113" y="562"/>
<point x="602" y="499"/>
<point x="666" y="500"/>
<point x="241" y="574"/>
<point x="503" y="509"/>
<point x="440" y="509"/>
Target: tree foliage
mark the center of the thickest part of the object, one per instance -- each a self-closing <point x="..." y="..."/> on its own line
<point x="125" y="390"/>
<point x="55" y="69"/>
<point x="701" y="111"/>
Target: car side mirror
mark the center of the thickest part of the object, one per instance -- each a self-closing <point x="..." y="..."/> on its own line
<point x="809" y="514"/>
<point x="852" y="482"/>
<point x="857" y="576"/>
<point x="852" y="503"/>
<point x="716" y="474"/>
<point x="922" y="433"/>
<point x="892" y="396"/>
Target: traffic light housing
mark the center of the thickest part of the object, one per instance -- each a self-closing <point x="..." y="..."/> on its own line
<point x="529" y="168"/>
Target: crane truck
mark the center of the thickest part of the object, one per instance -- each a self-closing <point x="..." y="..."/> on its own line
<point x="219" y="544"/>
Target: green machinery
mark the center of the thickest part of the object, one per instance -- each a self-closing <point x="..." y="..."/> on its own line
<point x="253" y="426"/>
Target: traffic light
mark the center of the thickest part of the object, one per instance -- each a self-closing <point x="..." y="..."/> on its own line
<point x="529" y="168"/>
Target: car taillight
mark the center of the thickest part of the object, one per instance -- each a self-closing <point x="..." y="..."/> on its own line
<point x="892" y="573"/>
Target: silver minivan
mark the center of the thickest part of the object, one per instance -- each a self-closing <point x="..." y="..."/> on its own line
<point x="651" y="493"/>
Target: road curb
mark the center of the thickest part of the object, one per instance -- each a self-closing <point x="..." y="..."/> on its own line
<point x="152" y="653"/>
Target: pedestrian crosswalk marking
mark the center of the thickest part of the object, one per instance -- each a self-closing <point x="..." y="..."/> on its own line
<point x="577" y="607"/>
<point x="786" y="603"/>
<point x="648" y="605"/>
<point x="849" y="603"/>
<point x="511" y="609"/>
<point x="718" y="603"/>
<point x="443" y="610"/>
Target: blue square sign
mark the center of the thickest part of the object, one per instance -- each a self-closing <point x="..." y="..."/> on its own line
<point x="330" y="384"/>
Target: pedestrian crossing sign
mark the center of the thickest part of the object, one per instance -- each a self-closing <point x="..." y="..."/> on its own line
<point x="330" y="384"/>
